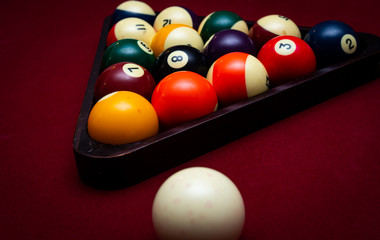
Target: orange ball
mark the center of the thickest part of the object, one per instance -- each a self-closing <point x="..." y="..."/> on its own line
<point x="122" y="117"/>
<point x="183" y="96"/>
<point x="174" y="35"/>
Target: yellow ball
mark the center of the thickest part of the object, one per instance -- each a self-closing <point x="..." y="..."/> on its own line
<point x="122" y="117"/>
<point x="174" y="35"/>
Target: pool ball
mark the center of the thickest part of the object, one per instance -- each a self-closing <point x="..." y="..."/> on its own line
<point x="237" y="76"/>
<point x="332" y="41"/>
<point x="221" y="20"/>
<point x="136" y="9"/>
<point x="176" y="14"/>
<point x="180" y="58"/>
<point x="286" y="58"/>
<point x="129" y="50"/>
<point x="174" y="35"/>
<point x="181" y="97"/>
<point x="122" y="117"/>
<point x="134" y="28"/>
<point x="227" y="41"/>
<point x="272" y="26"/>
<point x="124" y="76"/>
<point x="198" y="203"/>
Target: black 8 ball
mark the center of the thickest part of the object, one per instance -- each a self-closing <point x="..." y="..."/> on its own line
<point x="180" y="58"/>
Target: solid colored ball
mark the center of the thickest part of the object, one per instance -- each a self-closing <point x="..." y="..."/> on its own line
<point x="286" y="58"/>
<point x="134" y="28"/>
<point x="332" y="41"/>
<point x="176" y="14"/>
<point x="227" y="41"/>
<point x="221" y="20"/>
<point x="137" y="9"/>
<point x="125" y="76"/>
<point x="272" y="26"/>
<point x="237" y="76"/>
<point x="122" y="117"/>
<point x="129" y="50"/>
<point x="183" y="96"/>
<point x="175" y="35"/>
<point x="180" y="58"/>
<point x="198" y="203"/>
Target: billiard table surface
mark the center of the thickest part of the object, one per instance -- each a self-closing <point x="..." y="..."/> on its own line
<point x="312" y="175"/>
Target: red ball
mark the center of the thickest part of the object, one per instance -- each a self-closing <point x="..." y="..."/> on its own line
<point x="124" y="76"/>
<point x="183" y="96"/>
<point x="237" y="76"/>
<point x="286" y="58"/>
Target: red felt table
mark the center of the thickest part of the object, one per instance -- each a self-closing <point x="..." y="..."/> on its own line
<point x="313" y="175"/>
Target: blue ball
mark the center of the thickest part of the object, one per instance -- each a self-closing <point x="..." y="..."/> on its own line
<point x="137" y="9"/>
<point x="332" y="41"/>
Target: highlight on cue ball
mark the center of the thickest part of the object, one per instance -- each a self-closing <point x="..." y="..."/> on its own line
<point x="198" y="203"/>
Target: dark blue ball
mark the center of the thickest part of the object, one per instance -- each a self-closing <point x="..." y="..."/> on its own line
<point x="228" y="41"/>
<point x="332" y="41"/>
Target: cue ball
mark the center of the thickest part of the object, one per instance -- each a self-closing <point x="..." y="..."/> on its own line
<point x="135" y="9"/>
<point x="332" y="41"/>
<point x="174" y="35"/>
<point x="237" y="76"/>
<point x="272" y="26"/>
<point x="176" y="14"/>
<point x="125" y="76"/>
<point x="132" y="27"/>
<point x="183" y="96"/>
<point x="180" y="58"/>
<point x="129" y="50"/>
<point x="227" y="41"/>
<point x="221" y="20"/>
<point x="198" y="203"/>
<point x="122" y="117"/>
<point x="286" y="58"/>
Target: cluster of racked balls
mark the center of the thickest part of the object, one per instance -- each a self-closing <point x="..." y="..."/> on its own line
<point x="162" y="70"/>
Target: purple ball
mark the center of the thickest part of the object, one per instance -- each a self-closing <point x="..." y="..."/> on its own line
<point x="227" y="41"/>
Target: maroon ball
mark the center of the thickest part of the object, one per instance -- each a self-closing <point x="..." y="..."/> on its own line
<point x="272" y="26"/>
<point x="228" y="41"/>
<point x="124" y="76"/>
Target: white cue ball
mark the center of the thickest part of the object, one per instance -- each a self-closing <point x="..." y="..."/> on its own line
<point x="198" y="203"/>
